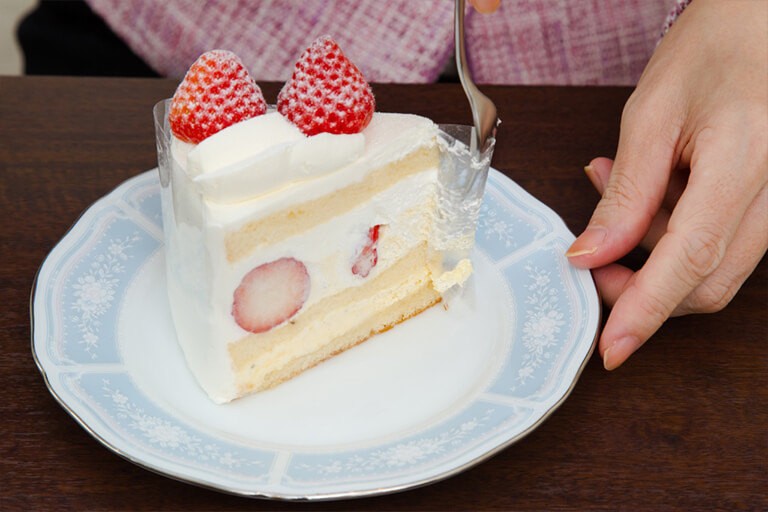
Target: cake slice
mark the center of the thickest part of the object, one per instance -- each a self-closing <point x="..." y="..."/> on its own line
<point x="294" y="234"/>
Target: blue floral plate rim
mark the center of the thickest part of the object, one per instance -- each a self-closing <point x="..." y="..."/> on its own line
<point x="458" y="441"/>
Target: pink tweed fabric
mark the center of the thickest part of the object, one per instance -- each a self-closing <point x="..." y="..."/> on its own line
<point x="565" y="42"/>
<point x="558" y="42"/>
<point x="676" y="11"/>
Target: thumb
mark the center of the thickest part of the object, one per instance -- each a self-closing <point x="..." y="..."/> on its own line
<point x="635" y="188"/>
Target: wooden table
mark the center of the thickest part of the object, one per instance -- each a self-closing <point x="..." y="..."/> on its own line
<point x="683" y="425"/>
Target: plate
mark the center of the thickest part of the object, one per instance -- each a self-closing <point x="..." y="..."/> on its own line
<point x="419" y="403"/>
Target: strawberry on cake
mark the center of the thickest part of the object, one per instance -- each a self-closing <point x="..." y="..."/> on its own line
<point x="295" y="233"/>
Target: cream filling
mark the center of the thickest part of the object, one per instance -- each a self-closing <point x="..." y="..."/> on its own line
<point x="335" y="323"/>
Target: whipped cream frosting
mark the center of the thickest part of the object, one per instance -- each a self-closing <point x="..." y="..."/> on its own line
<point x="264" y="153"/>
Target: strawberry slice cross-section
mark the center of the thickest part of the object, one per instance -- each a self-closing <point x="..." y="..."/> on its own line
<point x="368" y="255"/>
<point x="270" y="294"/>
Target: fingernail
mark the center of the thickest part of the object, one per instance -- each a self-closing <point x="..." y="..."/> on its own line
<point x="485" y="6"/>
<point x="593" y="177"/>
<point x="619" y="352"/>
<point x="588" y="242"/>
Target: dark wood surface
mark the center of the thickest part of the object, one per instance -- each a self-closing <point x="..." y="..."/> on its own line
<point x="682" y="426"/>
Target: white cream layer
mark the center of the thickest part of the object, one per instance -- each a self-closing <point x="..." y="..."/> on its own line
<point x="261" y="154"/>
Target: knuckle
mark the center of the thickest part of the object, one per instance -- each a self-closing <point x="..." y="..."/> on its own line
<point x="655" y="308"/>
<point x="703" y="250"/>
<point x="622" y="199"/>
<point x="637" y="112"/>
<point x="622" y="194"/>
<point x="642" y="101"/>
<point x="652" y="108"/>
<point x="712" y="296"/>
<point x="632" y="107"/>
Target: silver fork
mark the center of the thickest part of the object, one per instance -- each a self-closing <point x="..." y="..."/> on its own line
<point x="484" y="114"/>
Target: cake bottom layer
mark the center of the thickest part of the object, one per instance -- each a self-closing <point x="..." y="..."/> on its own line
<point x="262" y="361"/>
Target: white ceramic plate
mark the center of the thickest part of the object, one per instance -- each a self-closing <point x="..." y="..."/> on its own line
<point x="419" y="403"/>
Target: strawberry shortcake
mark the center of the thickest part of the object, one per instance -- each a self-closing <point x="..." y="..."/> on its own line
<point x="298" y="231"/>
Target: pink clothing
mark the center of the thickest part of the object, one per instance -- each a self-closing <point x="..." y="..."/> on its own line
<point x="562" y="42"/>
<point x="565" y="42"/>
<point x="676" y="11"/>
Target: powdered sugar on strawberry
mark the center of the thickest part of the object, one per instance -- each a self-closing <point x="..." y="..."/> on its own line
<point x="216" y="92"/>
<point x="326" y="92"/>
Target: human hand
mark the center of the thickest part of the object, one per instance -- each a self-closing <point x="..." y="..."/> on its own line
<point x="485" y="6"/>
<point x="690" y="178"/>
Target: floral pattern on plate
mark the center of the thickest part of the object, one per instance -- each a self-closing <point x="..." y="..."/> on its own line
<point x="503" y="357"/>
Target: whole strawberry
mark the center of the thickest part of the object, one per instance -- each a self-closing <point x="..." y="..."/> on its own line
<point x="326" y="93"/>
<point x="216" y="92"/>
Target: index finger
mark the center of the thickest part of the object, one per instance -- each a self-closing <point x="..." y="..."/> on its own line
<point x="721" y="187"/>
